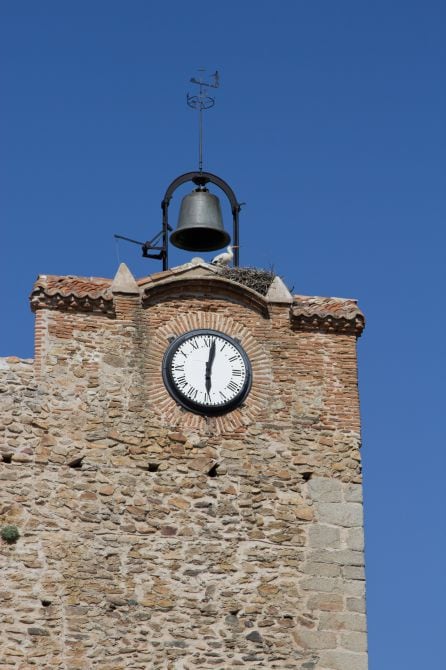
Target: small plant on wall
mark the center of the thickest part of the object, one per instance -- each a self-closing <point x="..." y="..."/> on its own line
<point x="10" y="534"/>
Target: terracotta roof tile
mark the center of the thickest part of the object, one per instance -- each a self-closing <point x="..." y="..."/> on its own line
<point x="80" y="287"/>
<point x="328" y="312"/>
<point x="340" y="307"/>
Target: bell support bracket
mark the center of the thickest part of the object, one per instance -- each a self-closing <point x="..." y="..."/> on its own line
<point x="200" y="179"/>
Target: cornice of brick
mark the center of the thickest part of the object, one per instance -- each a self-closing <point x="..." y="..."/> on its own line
<point x="337" y="315"/>
<point x="95" y="295"/>
<point x="74" y="294"/>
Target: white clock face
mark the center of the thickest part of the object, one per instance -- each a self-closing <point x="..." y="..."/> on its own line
<point x="207" y="371"/>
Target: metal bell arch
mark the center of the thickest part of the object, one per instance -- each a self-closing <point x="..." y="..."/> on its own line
<point x="206" y="233"/>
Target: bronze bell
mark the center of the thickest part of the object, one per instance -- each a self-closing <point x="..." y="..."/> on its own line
<point x="200" y="223"/>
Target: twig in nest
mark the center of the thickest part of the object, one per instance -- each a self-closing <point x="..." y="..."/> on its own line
<point x="255" y="278"/>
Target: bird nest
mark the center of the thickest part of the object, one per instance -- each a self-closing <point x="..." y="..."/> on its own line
<point x="255" y="278"/>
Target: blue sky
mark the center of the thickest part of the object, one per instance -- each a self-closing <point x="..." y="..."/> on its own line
<point x="330" y="125"/>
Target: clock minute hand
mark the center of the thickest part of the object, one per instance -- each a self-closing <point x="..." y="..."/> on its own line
<point x="209" y="366"/>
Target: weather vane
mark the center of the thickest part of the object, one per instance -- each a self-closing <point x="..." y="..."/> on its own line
<point x="202" y="101"/>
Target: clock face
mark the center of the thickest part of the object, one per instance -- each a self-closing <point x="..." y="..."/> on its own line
<point x="207" y="372"/>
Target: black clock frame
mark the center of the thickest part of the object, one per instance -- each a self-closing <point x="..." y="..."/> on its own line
<point x="191" y="405"/>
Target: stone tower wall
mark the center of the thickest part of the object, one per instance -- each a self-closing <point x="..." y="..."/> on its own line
<point x="155" y="538"/>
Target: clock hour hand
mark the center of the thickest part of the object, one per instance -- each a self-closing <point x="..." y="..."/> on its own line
<point x="209" y="366"/>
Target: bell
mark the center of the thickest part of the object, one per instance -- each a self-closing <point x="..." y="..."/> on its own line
<point x="200" y="224"/>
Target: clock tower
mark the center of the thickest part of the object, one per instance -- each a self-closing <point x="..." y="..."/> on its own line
<point x="180" y="465"/>
<point x="181" y="461"/>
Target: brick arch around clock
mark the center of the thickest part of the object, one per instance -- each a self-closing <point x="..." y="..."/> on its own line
<point x="172" y="318"/>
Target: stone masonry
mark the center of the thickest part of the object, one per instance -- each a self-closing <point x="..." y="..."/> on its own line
<point x="151" y="537"/>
